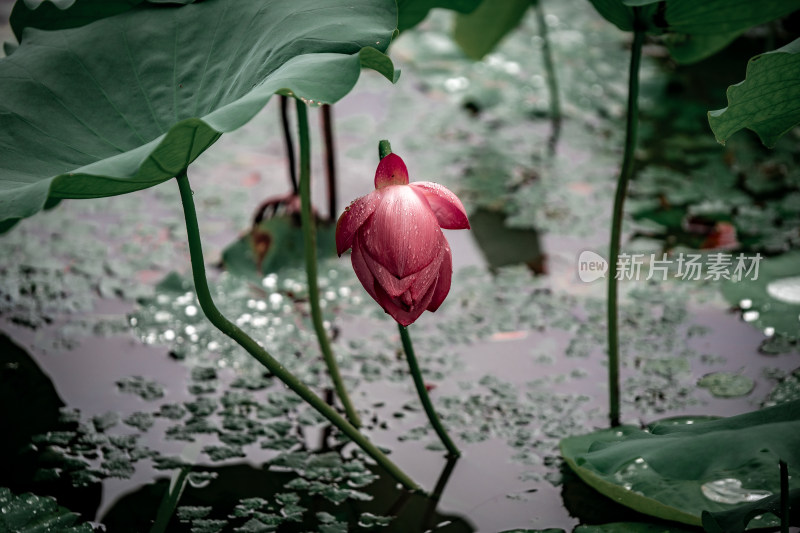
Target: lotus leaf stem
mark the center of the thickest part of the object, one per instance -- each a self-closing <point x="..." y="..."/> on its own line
<point x="287" y="139"/>
<point x="422" y="392"/>
<point x="784" y="472"/>
<point x="310" y="246"/>
<point x="330" y="158"/>
<point x="625" y="174"/>
<point x="552" y="79"/>
<point x="254" y="349"/>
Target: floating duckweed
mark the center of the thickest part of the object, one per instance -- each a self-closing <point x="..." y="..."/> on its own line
<point x="145" y="388"/>
<point x="726" y="385"/>
<point x="139" y="420"/>
<point x="787" y="390"/>
<point x="369" y="520"/>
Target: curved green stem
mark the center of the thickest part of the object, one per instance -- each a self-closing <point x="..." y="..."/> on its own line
<point x="552" y="79"/>
<point x="616" y="222"/>
<point x="422" y="392"/>
<point x="330" y="158"/>
<point x="287" y="139"/>
<point x="252" y="347"/>
<point x="784" y="474"/>
<point x="310" y="246"/>
<point x="170" y="499"/>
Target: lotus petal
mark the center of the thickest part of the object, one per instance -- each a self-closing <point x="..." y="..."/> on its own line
<point x="426" y="278"/>
<point x="353" y="217"/>
<point x="445" y="205"/>
<point x="443" y="281"/>
<point x="400" y="310"/>
<point x="393" y="286"/>
<point x="403" y="234"/>
<point x="363" y="273"/>
<point x="391" y="171"/>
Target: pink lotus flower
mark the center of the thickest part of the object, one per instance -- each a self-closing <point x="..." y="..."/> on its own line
<point x="400" y="254"/>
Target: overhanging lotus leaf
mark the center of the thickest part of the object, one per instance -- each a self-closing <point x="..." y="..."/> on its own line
<point x="130" y="100"/>
<point x="59" y="14"/>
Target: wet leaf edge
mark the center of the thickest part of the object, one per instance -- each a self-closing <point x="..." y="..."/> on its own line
<point x="166" y="156"/>
<point x="719" y="120"/>
<point x="619" y="494"/>
<point x="737" y="519"/>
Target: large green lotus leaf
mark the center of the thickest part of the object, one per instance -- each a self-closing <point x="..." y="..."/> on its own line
<point x="477" y="33"/>
<point x="620" y="13"/>
<point x="412" y="12"/>
<point x="129" y="101"/>
<point x="676" y="470"/>
<point x="549" y="530"/>
<point x="60" y="14"/>
<point x="699" y="29"/>
<point x="691" y="48"/>
<point x="766" y="101"/>
<point x="772" y="300"/>
<point x="631" y="527"/>
<point x="723" y="16"/>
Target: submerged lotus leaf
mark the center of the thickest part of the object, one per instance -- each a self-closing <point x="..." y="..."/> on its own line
<point x="661" y="472"/>
<point x="85" y="121"/>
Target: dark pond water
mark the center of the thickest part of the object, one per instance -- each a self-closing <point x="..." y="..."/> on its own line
<point x="116" y="392"/>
